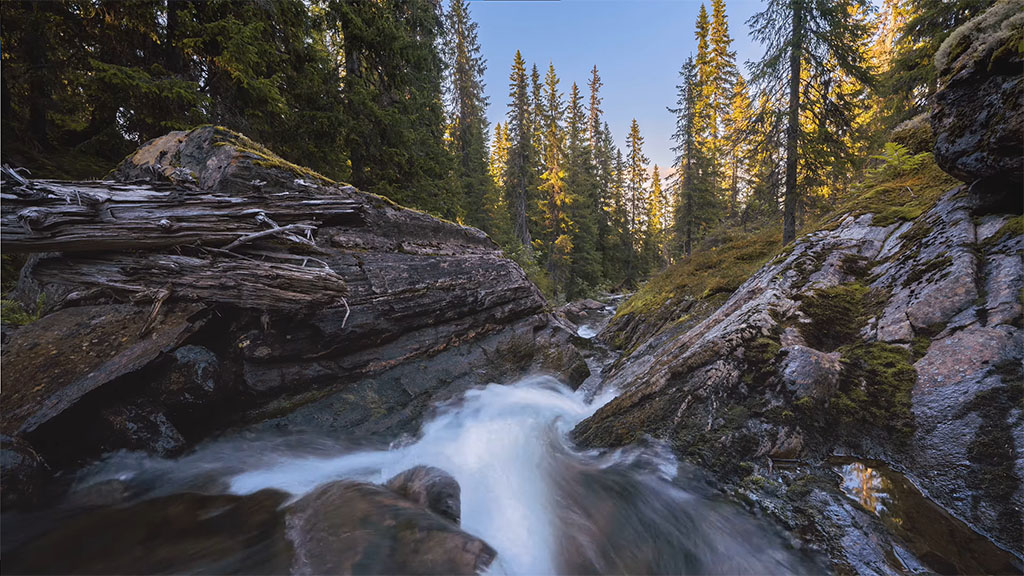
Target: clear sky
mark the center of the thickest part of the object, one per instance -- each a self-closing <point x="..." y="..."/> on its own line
<point x="637" y="45"/>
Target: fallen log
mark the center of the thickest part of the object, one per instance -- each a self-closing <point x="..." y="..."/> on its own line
<point x="237" y="280"/>
<point x="49" y="216"/>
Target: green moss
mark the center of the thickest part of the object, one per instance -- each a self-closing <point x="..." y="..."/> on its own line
<point x="856" y="265"/>
<point x="262" y="156"/>
<point x="923" y="340"/>
<point x="836" y="316"/>
<point x="875" y="385"/>
<point x="901" y="197"/>
<point x="760" y="357"/>
<point x="1013" y="227"/>
<point x="706" y="273"/>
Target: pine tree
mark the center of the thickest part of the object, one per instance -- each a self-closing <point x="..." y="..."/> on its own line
<point x="594" y="109"/>
<point x="467" y="105"/>
<point x="393" y="105"/>
<point x="519" y="168"/>
<point x="697" y="204"/>
<point x="807" y="44"/>
<point x="584" y="211"/>
<point x="636" y="186"/>
<point x="738" y="132"/>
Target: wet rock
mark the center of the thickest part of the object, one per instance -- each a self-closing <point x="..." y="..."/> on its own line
<point x="181" y="533"/>
<point x="978" y="115"/>
<point x="21" y="469"/>
<point x="193" y="379"/>
<point x="807" y="372"/>
<point x="580" y="311"/>
<point x="140" y="425"/>
<point x="432" y="488"/>
<point x="945" y="287"/>
<point x="353" y="528"/>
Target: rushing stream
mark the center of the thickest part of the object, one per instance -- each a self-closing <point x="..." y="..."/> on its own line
<point x="545" y="506"/>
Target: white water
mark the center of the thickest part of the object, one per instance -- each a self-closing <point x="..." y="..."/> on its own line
<point x="586" y="331"/>
<point x="499" y="443"/>
<point x="542" y="504"/>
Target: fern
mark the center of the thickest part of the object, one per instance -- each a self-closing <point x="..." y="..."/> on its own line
<point x="896" y="160"/>
<point x="14" y="313"/>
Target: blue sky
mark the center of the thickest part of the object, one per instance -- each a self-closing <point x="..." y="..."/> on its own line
<point x="637" y="45"/>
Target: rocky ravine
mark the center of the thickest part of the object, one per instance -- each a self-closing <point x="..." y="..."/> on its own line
<point x="901" y="343"/>
<point x="212" y="285"/>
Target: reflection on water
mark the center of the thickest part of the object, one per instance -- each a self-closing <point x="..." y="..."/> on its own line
<point x="943" y="543"/>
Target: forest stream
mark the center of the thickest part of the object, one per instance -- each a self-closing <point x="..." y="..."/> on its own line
<point x="543" y="504"/>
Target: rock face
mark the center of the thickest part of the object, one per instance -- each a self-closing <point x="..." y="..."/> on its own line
<point x="213" y="285"/>
<point x="978" y="117"/>
<point x="900" y="342"/>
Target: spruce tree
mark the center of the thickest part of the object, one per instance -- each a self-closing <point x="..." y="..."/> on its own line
<point x="738" y="133"/>
<point x="584" y="210"/>
<point x="520" y="133"/>
<point x="653" y="254"/>
<point x="594" y="109"/>
<point x="393" y="104"/>
<point x="636" y="186"/>
<point x="555" y="198"/>
<point x="808" y="43"/>
<point x="467" y="103"/>
<point x="697" y="205"/>
<point x="912" y="77"/>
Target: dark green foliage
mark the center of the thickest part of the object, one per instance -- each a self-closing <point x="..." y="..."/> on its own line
<point x="911" y="79"/>
<point x="468" y="125"/>
<point x="87" y="82"/>
<point x="392" y="88"/>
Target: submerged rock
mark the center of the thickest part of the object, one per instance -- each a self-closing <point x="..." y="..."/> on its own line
<point x="353" y="528"/>
<point x="432" y="488"/>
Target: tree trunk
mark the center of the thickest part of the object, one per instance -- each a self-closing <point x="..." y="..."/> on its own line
<point x="38" y="84"/>
<point x="793" y="128"/>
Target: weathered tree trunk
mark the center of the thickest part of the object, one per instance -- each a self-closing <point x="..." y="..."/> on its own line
<point x="43" y="216"/>
<point x="793" y="128"/>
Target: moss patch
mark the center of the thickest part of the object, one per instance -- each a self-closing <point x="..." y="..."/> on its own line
<point x="874" y="389"/>
<point x="900" y="198"/>
<point x="760" y="357"/>
<point x="836" y="316"/>
<point x="705" y="273"/>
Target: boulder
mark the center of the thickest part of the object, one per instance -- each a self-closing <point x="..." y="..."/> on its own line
<point x="925" y="371"/>
<point x="432" y="488"/>
<point x="978" y="115"/>
<point x="353" y="528"/>
<point x="237" y="290"/>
